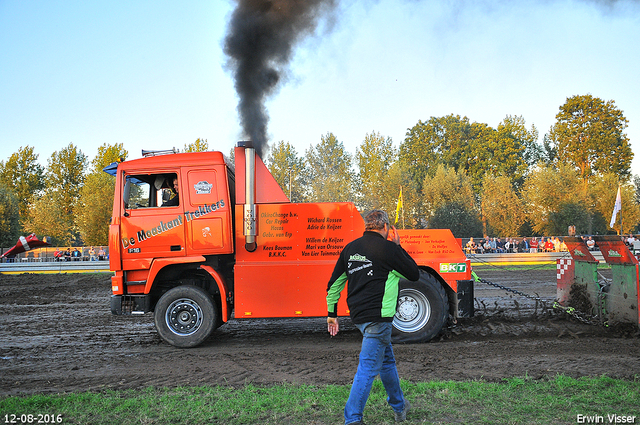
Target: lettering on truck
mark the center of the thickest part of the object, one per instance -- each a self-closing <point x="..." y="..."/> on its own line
<point x="162" y="227"/>
<point x="453" y="267"/>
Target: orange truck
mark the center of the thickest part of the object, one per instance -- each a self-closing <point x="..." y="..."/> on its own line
<point x="232" y="246"/>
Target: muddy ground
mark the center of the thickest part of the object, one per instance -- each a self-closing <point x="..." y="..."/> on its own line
<point x="57" y="335"/>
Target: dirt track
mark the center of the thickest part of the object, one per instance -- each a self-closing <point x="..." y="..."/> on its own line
<point x="58" y="335"/>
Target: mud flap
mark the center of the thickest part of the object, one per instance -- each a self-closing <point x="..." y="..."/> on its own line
<point x="130" y="304"/>
<point x="465" y="298"/>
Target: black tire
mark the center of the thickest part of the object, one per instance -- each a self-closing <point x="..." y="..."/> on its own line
<point x="185" y="316"/>
<point x="422" y="312"/>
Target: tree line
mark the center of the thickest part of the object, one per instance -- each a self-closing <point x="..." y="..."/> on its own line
<point x="477" y="180"/>
<point x="453" y="173"/>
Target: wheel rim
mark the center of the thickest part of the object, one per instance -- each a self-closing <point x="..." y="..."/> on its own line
<point x="413" y="312"/>
<point x="184" y="317"/>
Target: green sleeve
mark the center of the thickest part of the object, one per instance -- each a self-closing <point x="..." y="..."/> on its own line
<point x="333" y="294"/>
<point x="390" y="298"/>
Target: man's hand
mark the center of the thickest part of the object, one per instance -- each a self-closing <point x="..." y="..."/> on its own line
<point x="332" y="325"/>
<point x="394" y="236"/>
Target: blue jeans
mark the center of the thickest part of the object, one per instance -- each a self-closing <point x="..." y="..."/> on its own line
<point x="376" y="358"/>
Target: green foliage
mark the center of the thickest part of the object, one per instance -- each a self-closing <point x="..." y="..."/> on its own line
<point x="47" y="216"/>
<point x="557" y="198"/>
<point x="65" y="175"/>
<point x="288" y="170"/>
<point x="600" y="224"/>
<point x="24" y="176"/>
<point x="570" y="214"/>
<point x="95" y="201"/>
<point x="94" y="208"/>
<point x="501" y="206"/>
<point x="515" y="127"/>
<point x="437" y="141"/>
<point x="199" y="145"/>
<point x="411" y="215"/>
<point x="602" y="191"/>
<point x="519" y="142"/>
<point x="450" y="203"/>
<point x="232" y="156"/>
<point x="519" y="400"/>
<point x="550" y="152"/>
<point x="459" y="218"/>
<point x="494" y="152"/>
<point x="445" y="187"/>
<point x="108" y="154"/>
<point x="54" y="213"/>
<point x="474" y="148"/>
<point x="331" y="178"/>
<point x="589" y="135"/>
<point x="546" y="190"/>
<point x="374" y="157"/>
<point x="636" y="188"/>
<point x="9" y="218"/>
<point x="527" y="229"/>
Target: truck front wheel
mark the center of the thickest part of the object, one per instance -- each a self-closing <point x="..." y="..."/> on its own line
<point x="185" y="316"/>
<point x="422" y="310"/>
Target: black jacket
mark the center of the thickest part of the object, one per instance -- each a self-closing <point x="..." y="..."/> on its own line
<point x="373" y="266"/>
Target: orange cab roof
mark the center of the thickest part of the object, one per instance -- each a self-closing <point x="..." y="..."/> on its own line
<point x="174" y="159"/>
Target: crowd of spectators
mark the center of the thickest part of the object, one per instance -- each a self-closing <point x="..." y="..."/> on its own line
<point x="44" y="254"/>
<point x="488" y="245"/>
<point x="529" y="245"/>
<point x="76" y="255"/>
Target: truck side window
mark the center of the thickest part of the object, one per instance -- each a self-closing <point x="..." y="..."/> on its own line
<point x="138" y="194"/>
<point x="150" y="190"/>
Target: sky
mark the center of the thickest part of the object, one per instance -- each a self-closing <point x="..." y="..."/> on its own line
<point x="153" y="74"/>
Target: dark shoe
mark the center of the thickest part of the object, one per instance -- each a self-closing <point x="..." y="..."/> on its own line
<point x="402" y="415"/>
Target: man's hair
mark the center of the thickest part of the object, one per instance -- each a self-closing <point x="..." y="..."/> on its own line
<point x="375" y="220"/>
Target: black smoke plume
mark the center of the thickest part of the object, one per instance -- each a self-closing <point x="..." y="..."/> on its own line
<point x="259" y="43"/>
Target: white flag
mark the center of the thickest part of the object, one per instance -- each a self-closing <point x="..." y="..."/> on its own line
<point x="617" y="207"/>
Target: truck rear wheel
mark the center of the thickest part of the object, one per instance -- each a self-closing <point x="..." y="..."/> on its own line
<point x="185" y="316"/>
<point x="422" y="311"/>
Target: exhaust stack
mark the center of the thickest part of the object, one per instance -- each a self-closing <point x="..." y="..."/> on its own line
<point x="249" y="218"/>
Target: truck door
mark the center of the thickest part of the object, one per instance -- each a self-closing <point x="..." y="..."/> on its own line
<point x="207" y="211"/>
<point x="152" y="221"/>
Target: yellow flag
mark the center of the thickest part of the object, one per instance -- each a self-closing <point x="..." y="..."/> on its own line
<point x="399" y="206"/>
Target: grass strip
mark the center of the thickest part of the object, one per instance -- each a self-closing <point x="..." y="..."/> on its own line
<point x="559" y="400"/>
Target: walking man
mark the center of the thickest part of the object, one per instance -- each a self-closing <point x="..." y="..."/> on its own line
<point x="373" y="266"/>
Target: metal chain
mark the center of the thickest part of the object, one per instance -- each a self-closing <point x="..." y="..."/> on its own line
<point x="514" y="291"/>
<point x="582" y="317"/>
